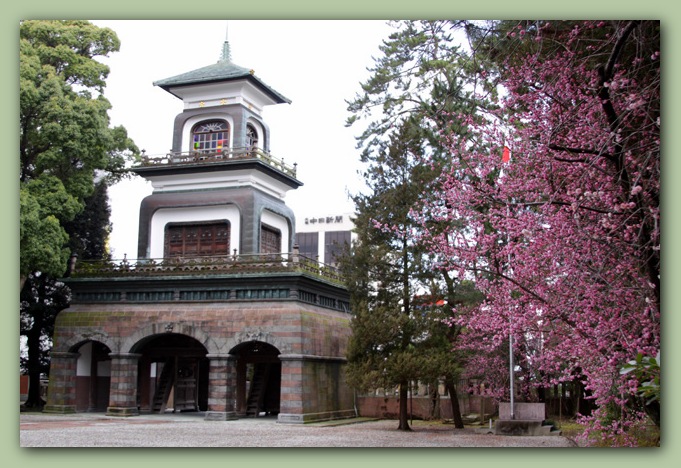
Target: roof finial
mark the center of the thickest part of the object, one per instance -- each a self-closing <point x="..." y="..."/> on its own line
<point x="226" y="54"/>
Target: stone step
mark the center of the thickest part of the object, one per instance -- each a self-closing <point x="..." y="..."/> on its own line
<point x="523" y="427"/>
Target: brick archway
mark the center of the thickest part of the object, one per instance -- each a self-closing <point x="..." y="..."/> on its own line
<point x="132" y="343"/>
<point x="256" y="334"/>
<point x="93" y="376"/>
<point x="73" y="344"/>
<point x="172" y="373"/>
<point x="258" y="379"/>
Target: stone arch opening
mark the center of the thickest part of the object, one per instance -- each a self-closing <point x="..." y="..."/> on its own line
<point x="258" y="379"/>
<point x="172" y="374"/>
<point x="93" y="376"/>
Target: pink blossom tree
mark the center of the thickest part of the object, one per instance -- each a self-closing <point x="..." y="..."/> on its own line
<point x="563" y="239"/>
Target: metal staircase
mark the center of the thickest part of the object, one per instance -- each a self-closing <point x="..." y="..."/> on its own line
<point x="258" y="390"/>
<point x="163" y="387"/>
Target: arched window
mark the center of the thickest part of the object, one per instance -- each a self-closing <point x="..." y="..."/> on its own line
<point x="210" y="137"/>
<point x="251" y="137"/>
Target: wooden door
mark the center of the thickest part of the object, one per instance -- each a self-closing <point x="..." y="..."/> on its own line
<point x="185" y="395"/>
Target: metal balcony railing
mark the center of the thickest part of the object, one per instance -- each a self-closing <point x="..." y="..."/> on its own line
<point x="225" y="264"/>
<point x="216" y="157"/>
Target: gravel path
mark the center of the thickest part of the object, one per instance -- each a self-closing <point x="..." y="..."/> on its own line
<point x="190" y="430"/>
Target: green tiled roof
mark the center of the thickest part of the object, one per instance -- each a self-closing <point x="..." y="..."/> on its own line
<point x="224" y="70"/>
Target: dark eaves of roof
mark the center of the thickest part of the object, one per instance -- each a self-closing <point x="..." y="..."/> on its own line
<point x="224" y="70"/>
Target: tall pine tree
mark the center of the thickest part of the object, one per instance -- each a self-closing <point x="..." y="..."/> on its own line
<point x="383" y="273"/>
<point x="420" y="88"/>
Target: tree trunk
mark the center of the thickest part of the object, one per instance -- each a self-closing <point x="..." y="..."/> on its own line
<point x="434" y="394"/>
<point x="653" y="411"/>
<point x="406" y="298"/>
<point x="454" y="399"/>
<point x="404" y="407"/>
<point x="34" y="400"/>
<point x="34" y="367"/>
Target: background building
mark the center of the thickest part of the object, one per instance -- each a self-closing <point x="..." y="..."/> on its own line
<point x="324" y="237"/>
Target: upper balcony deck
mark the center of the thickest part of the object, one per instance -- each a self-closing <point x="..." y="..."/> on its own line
<point x="285" y="276"/>
<point x="189" y="159"/>
<point x="231" y="264"/>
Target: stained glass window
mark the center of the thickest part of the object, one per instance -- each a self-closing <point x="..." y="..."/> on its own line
<point x="211" y="137"/>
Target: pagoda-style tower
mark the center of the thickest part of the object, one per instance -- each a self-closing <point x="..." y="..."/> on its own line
<point x="219" y="313"/>
<point x="219" y="170"/>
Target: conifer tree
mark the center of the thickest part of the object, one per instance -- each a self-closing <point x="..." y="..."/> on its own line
<point x="419" y="86"/>
<point x="384" y="271"/>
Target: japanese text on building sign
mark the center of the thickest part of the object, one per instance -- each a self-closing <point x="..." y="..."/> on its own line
<point x="327" y="220"/>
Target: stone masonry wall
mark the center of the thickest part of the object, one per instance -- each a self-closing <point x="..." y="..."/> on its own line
<point x="311" y="341"/>
<point x="292" y="327"/>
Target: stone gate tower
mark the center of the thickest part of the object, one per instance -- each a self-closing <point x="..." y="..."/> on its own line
<point x="219" y="313"/>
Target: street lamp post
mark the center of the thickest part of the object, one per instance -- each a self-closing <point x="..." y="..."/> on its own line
<point x="510" y="358"/>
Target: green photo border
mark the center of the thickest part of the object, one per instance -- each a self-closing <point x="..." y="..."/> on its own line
<point x="348" y="9"/>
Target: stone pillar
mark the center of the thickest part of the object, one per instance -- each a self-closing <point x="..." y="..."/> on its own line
<point x="123" y="389"/>
<point x="61" y="390"/>
<point x="291" y="404"/>
<point x="221" y="387"/>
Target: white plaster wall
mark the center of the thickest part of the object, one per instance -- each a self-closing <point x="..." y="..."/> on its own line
<point x="84" y="360"/>
<point x="208" y="95"/>
<point x="193" y="214"/>
<point x="84" y="363"/>
<point x="220" y="179"/>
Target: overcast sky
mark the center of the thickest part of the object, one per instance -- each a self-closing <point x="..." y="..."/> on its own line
<point x="317" y="64"/>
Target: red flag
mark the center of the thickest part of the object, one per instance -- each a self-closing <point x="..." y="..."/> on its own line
<point x="506" y="155"/>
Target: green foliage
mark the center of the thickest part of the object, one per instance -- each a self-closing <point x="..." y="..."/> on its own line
<point x="647" y="372"/>
<point x="54" y="199"/>
<point x="65" y="144"/>
<point x="64" y="134"/>
<point x="42" y="240"/>
<point x="424" y="77"/>
<point x="382" y="270"/>
<point x="68" y="48"/>
<point x="89" y="231"/>
<point x="373" y="349"/>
